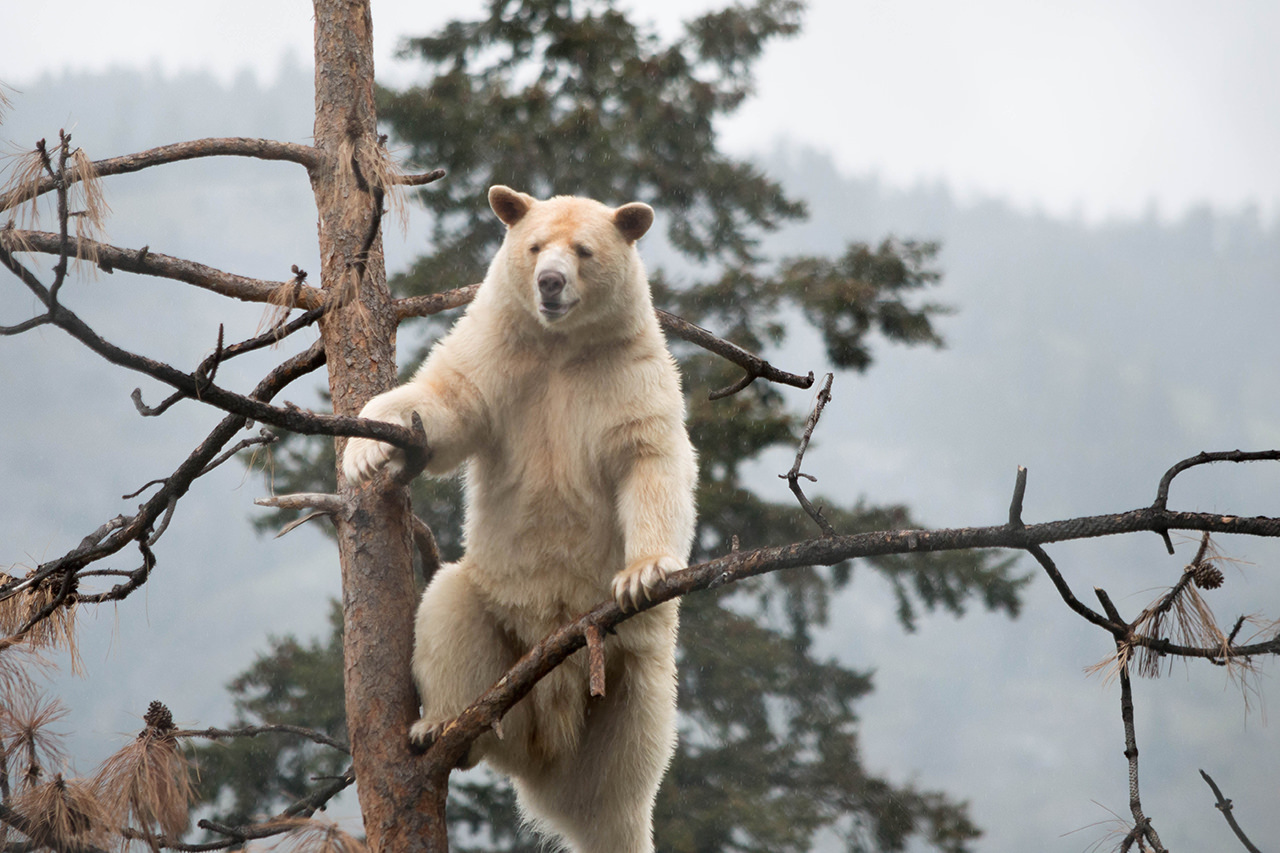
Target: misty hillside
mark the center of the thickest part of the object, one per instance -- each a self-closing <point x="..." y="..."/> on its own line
<point x="1095" y="354"/>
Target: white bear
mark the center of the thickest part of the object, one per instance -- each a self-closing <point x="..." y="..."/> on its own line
<point x="557" y="390"/>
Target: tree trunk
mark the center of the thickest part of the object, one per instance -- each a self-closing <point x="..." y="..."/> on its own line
<point x="403" y="809"/>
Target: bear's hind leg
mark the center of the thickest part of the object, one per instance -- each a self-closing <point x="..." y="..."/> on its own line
<point x="601" y="799"/>
<point x="459" y="652"/>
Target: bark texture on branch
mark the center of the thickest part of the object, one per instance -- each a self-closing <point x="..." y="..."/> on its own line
<point x="145" y="262"/>
<point x="262" y="149"/>
<point x="403" y="810"/>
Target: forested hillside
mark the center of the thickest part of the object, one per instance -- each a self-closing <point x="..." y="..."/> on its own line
<point x="1095" y="354"/>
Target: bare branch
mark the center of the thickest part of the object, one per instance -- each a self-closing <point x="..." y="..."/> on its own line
<point x="1115" y="626"/>
<point x="325" y="505"/>
<point x="114" y="535"/>
<point x="145" y="262"/>
<point x="214" y="733"/>
<point x="756" y="367"/>
<point x="434" y="303"/>
<point x="324" y="502"/>
<point x="1141" y="823"/>
<point x="793" y="476"/>
<point x="1019" y="492"/>
<point x="1224" y="805"/>
<point x="292" y="419"/>
<point x="1162" y="491"/>
<point x="456" y="738"/>
<point x="261" y="149"/>
<point x="419" y="180"/>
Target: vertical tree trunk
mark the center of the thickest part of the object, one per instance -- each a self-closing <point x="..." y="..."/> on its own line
<point x="403" y="810"/>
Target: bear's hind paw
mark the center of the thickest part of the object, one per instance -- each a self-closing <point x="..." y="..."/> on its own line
<point x="422" y="734"/>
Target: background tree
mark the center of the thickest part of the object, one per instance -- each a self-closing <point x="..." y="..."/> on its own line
<point x="555" y="97"/>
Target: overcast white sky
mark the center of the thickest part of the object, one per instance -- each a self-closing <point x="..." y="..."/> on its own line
<point x="1089" y="107"/>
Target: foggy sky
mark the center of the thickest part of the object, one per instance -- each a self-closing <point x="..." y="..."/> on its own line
<point x="1076" y="107"/>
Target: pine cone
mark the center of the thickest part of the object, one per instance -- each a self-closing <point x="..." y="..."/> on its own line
<point x="1207" y="576"/>
<point x="159" y="717"/>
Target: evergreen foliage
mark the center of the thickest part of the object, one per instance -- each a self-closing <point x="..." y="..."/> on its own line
<point x="570" y="96"/>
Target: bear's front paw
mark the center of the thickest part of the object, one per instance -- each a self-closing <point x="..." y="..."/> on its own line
<point x="364" y="457"/>
<point x="633" y="585"/>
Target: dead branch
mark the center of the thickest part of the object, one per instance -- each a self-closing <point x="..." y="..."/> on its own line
<point x="190" y="385"/>
<point x="1142" y="828"/>
<point x="214" y="733"/>
<point x="755" y="367"/>
<point x="1162" y="491"/>
<point x="1224" y="805"/>
<point x="434" y="303"/>
<point x="831" y="550"/>
<point x="236" y="836"/>
<point x="418" y="180"/>
<point x="793" y="476"/>
<point x="145" y="262"/>
<point x="117" y="533"/>
<point x="261" y="149"/>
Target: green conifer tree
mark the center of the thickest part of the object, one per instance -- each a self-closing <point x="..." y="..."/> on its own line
<point x="571" y="96"/>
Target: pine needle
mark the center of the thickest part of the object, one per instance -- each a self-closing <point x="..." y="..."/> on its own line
<point x="27" y="742"/>
<point x="148" y="784"/>
<point x="64" y="813"/>
<point x="25" y="171"/>
<point x="317" y="836"/>
<point x="54" y="631"/>
<point x="91" y="218"/>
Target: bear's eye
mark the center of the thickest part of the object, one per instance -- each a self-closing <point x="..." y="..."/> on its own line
<point x="583" y="251"/>
<point x="535" y="248"/>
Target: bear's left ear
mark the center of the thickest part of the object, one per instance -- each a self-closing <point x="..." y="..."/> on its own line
<point x="511" y="206"/>
<point x="633" y="220"/>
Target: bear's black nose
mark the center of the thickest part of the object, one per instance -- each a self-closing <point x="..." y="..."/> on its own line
<point x="550" y="283"/>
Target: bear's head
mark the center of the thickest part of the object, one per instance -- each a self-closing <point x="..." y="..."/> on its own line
<point x="572" y="260"/>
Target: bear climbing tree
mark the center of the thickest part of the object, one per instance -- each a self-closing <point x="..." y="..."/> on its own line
<point x="403" y="795"/>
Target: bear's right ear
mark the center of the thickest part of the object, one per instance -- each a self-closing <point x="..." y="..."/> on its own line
<point x="510" y="205"/>
<point x="633" y="220"/>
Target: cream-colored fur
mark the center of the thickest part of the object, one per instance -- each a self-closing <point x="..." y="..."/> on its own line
<point x="557" y="390"/>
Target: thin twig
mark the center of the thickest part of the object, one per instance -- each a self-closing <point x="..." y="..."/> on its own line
<point x="793" y="476"/>
<point x="1015" y="503"/>
<point x="1162" y="491"/>
<point x="1224" y="805"/>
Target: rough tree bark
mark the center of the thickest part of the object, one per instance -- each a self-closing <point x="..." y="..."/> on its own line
<point x="403" y="810"/>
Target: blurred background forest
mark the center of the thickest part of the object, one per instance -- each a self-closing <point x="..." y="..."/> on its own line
<point x="1096" y="353"/>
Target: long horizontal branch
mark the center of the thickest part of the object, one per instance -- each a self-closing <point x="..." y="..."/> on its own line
<point x="145" y="262"/>
<point x="755" y="366"/>
<point x="253" y="731"/>
<point x="453" y="743"/>
<point x="261" y="149"/>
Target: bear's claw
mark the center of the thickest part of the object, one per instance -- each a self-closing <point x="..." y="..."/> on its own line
<point x="635" y="585"/>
